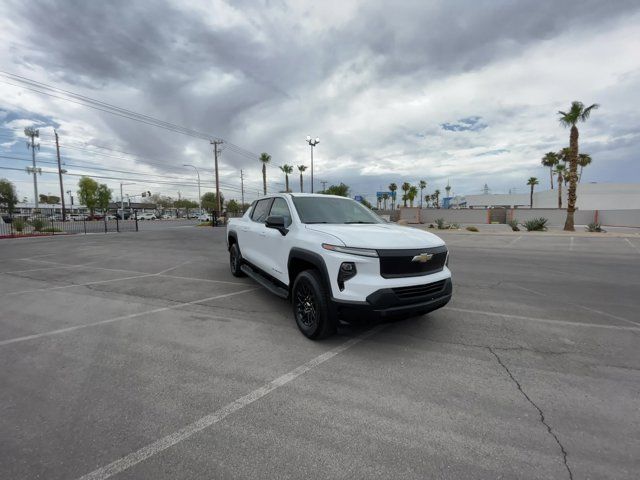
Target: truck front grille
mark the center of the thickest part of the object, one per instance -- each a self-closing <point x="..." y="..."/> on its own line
<point x="419" y="290"/>
<point x="399" y="263"/>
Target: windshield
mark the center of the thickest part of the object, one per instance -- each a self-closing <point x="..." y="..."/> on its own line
<point x="333" y="210"/>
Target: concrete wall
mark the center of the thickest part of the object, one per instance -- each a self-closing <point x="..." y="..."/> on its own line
<point x="556" y="217"/>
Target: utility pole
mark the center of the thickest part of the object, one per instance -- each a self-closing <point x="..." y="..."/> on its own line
<point x="215" y="144"/>
<point x="33" y="133"/>
<point x="312" y="143"/>
<point x="324" y="185"/>
<point x="64" y="212"/>
<point x="242" y="191"/>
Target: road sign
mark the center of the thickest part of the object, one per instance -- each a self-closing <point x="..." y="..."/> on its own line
<point x="381" y="194"/>
<point x="358" y="198"/>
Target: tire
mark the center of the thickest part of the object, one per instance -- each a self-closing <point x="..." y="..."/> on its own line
<point x="235" y="261"/>
<point x="311" y="307"/>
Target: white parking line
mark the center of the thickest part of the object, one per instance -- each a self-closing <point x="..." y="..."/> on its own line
<point x="512" y="242"/>
<point x="541" y="320"/>
<point x="615" y="317"/>
<point x="164" y="443"/>
<point x="173" y="268"/>
<point x="117" y="319"/>
<point x="62" y="287"/>
<point x="635" y="247"/>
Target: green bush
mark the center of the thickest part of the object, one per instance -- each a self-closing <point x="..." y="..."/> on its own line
<point x="440" y="223"/>
<point x="595" y="227"/>
<point x="37" y="224"/>
<point x="536" y="224"/>
<point x="473" y="229"/>
<point x="18" y="224"/>
<point x="514" y="225"/>
<point x="204" y="224"/>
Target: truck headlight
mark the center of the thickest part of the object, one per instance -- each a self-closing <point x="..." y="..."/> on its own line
<point x="363" y="252"/>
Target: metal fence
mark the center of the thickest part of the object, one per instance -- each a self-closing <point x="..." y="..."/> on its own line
<point x="21" y="226"/>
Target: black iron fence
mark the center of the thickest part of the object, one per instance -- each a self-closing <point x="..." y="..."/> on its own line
<point x="35" y="225"/>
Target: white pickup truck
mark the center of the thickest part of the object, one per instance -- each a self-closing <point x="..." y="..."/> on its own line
<point x="335" y="259"/>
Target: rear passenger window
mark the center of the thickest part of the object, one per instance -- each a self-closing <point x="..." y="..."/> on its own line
<point x="261" y="210"/>
<point x="281" y="209"/>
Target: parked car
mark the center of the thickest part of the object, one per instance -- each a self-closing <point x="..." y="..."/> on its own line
<point x="127" y="215"/>
<point x="110" y="216"/>
<point x="205" y="217"/>
<point x="147" y="216"/>
<point x="78" y="217"/>
<point x="335" y="259"/>
<point x="194" y="215"/>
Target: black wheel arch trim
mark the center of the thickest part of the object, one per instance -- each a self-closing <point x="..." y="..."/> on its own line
<point x="233" y="235"/>
<point x="313" y="258"/>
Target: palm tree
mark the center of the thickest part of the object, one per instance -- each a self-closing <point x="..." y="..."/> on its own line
<point x="584" y="159"/>
<point x="427" y="198"/>
<point x="436" y="194"/>
<point x="264" y="158"/>
<point x="405" y="188"/>
<point x="288" y="170"/>
<point x="550" y="160"/>
<point x="385" y="197"/>
<point x="533" y="181"/>
<point x="560" y="170"/>
<point x="392" y="188"/>
<point x="301" y="168"/>
<point x="423" y="185"/>
<point x="577" y="113"/>
<point x="411" y="195"/>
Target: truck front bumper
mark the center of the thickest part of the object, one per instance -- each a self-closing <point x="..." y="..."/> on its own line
<point x="398" y="302"/>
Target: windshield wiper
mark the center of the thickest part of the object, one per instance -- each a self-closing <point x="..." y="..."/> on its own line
<point x="360" y="221"/>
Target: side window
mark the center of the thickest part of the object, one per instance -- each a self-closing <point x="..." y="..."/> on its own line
<point x="261" y="210"/>
<point x="281" y="208"/>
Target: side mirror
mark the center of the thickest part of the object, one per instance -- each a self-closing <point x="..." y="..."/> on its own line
<point x="277" y="222"/>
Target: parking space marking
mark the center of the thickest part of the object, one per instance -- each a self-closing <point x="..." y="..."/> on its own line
<point x="635" y="247"/>
<point x="120" y="318"/>
<point x="173" y="268"/>
<point x="512" y="242"/>
<point x="62" y="287"/>
<point x="184" y="433"/>
<point x="589" y="309"/>
<point x="541" y="320"/>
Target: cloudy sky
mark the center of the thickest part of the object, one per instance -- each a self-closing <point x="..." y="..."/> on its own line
<point x="459" y="91"/>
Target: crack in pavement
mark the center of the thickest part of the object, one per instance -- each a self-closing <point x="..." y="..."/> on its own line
<point x="540" y="412"/>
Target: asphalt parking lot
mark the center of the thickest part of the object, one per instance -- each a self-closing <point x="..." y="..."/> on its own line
<point x="137" y="355"/>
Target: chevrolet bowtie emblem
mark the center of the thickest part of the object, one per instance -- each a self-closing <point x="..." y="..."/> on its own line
<point x="422" y="258"/>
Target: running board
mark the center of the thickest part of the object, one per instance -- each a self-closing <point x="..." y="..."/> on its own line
<point x="265" y="282"/>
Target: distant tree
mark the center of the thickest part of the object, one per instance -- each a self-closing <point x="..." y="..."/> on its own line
<point x="560" y="170"/>
<point x="366" y="203"/>
<point x="188" y="205"/>
<point x="233" y="207"/>
<point x="405" y="188"/>
<point x="210" y="201"/>
<point x="8" y="195"/>
<point x="287" y="170"/>
<point x="436" y="197"/>
<point x="385" y="197"/>
<point x="550" y="160"/>
<point x="577" y="113"/>
<point x="103" y="195"/>
<point x="423" y="185"/>
<point x="301" y="169"/>
<point x="411" y="194"/>
<point x="584" y="160"/>
<point x="264" y="158"/>
<point x="88" y="193"/>
<point x="341" y="190"/>
<point x="533" y="181"/>
<point x="392" y="188"/>
<point x="49" y="199"/>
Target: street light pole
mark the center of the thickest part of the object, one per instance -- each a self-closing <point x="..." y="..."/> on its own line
<point x="199" y="195"/>
<point x="312" y="143"/>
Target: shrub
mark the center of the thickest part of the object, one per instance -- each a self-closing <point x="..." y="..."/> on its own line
<point x="595" y="227"/>
<point x="37" y="224"/>
<point x="18" y="224"/>
<point x="440" y="223"/>
<point x="204" y="224"/>
<point x="473" y="229"/>
<point x="536" y="224"/>
<point x="431" y="225"/>
<point x="514" y="225"/>
<point x="454" y="226"/>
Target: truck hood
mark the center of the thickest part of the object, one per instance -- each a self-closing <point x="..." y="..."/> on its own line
<point x="380" y="236"/>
